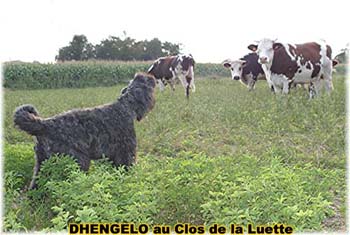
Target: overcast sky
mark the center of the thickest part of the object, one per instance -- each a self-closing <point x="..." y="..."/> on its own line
<point x="211" y="30"/>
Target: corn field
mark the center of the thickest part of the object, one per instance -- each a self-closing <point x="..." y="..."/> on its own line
<point x="19" y="75"/>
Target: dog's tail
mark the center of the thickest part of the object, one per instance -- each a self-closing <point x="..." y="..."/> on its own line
<point x="27" y="119"/>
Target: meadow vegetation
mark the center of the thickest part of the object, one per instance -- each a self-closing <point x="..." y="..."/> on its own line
<point x="226" y="156"/>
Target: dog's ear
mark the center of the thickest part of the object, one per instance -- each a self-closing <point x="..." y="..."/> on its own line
<point x="140" y="98"/>
<point x="139" y="95"/>
<point x="125" y="89"/>
<point x="151" y="81"/>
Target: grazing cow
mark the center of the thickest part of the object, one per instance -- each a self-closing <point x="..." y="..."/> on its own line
<point x="166" y="69"/>
<point x="286" y="64"/>
<point x="247" y="70"/>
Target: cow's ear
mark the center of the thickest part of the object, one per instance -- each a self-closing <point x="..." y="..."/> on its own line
<point x="335" y="62"/>
<point x="244" y="63"/>
<point x="277" y="45"/>
<point x="226" y="63"/>
<point x="253" y="47"/>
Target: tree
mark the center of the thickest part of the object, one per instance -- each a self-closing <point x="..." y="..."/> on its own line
<point x="116" y="48"/>
<point x="170" y="48"/>
<point x="108" y="49"/>
<point x="79" y="49"/>
<point x="153" y="49"/>
<point x="89" y="52"/>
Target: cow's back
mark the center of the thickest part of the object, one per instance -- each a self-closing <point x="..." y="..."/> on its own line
<point x="252" y="66"/>
<point x="162" y="67"/>
<point x="282" y="63"/>
<point x="299" y="60"/>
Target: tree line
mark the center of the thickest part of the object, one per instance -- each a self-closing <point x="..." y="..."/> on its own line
<point x="116" y="48"/>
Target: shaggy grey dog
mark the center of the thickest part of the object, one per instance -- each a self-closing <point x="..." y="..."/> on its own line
<point x="88" y="134"/>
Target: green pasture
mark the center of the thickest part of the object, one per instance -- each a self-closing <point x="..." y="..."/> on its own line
<point x="225" y="156"/>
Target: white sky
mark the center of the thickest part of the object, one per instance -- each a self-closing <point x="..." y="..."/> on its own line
<point x="211" y="30"/>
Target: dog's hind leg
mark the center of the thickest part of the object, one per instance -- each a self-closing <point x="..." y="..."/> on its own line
<point x="33" y="184"/>
<point x="40" y="156"/>
<point x="84" y="163"/>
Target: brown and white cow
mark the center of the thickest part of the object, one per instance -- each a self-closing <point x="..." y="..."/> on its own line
<point x="286" y="64"/>
<point x="247" y="70"/>
<point x="167" y="69"/>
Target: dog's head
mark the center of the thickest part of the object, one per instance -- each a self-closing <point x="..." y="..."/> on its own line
<point x="140" y="94"/>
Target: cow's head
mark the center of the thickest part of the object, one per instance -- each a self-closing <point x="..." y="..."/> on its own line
<point x="186" y="63"/>
<point x="265" y="50"/>
<point x="236" y="67"/>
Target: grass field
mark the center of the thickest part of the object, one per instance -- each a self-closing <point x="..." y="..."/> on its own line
<point x="226" y="156"/>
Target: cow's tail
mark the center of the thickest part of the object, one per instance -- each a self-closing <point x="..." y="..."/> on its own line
<point x="27" y="119"/>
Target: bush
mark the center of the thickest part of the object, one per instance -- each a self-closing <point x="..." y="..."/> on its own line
<point x="270" y="192"/>
<point x="191" y="188"/>
<point x="12" y="221"/>
<point x="19" y="159"/>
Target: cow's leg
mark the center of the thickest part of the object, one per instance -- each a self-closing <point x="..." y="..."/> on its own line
<point x="271" y="85"/>
<point x="161" y="84"/>
<point x="285" y="84"/>
<point x="189" y="85"/>
<point x="292" y="85"/>
<point x="172" y="84"/>
<point x="312" y="90"/>
<point x="190" y="78"/>
<point x="193" y="87"/>
<point x="273" y="88"/>
<point x="251" y="84"/>
<point x="327" y="76"/>
<point x="277" y="85"/>
<point x="185" y="84"/>
<point x="267" y="73"/>
<point x="277" y="90"/>
<point x="329" y="85"/>
<point x="327" y="69"/>
<point x="183" y="80"/>
<point x="318" y="86"/>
